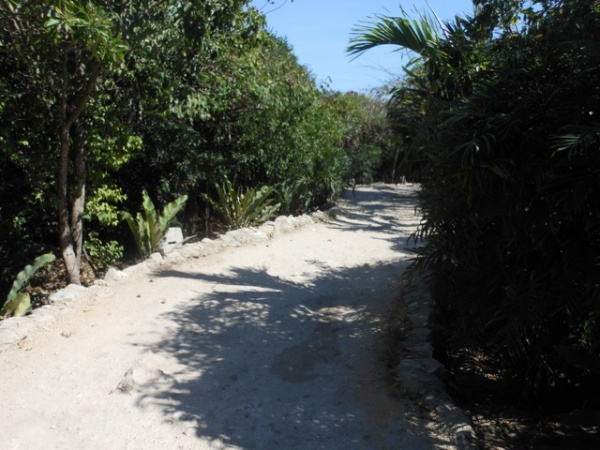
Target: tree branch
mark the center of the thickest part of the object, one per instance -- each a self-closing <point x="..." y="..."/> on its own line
<point x="85" y="95"/>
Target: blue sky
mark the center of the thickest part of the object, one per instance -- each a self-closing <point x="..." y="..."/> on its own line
<point x="319" y="31"/>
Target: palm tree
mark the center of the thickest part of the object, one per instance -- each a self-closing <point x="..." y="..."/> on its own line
<point x="440" y="55"/>
<point x="510" y="207"/>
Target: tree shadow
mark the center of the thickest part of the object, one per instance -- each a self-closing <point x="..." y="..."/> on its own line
<point x="372" y="209"/>
<point x="257" y="354"/>
<point x="266" y="362"/>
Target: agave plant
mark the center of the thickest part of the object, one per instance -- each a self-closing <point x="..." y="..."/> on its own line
<point x="149" y="228"/>
<point x="242" y="209"/>
<point x="18" y="303"/>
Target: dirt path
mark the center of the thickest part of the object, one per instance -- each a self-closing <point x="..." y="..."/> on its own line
<point x="273" y="345"/>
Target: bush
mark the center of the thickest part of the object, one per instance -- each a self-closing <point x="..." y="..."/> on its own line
<point x="149" y="228"/>
<point x="242" y="208"/>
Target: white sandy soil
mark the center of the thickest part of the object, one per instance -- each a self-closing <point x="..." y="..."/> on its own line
<point x="270" y="345"/>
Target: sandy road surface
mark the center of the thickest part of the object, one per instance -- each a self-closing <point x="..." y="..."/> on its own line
<point x="274" y="345"/>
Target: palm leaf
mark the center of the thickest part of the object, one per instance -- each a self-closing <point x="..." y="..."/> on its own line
<point x="418" y="35"/>
<point x="576" y="139"/>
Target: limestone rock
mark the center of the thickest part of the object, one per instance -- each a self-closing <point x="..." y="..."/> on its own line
<point x="71" y="292"/>
<point x="115" y="275"/>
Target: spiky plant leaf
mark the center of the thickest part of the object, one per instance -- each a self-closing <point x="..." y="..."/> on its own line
<point x="167" y="217"/>
<point x="241" y="209"/>
<point x="577" y="139"/>
<point x="18" y="306"/>
<point x="149" y="228"/>
<point x="137" y="231"/>
<point x="151" y="221"/>
<point x="23" y="276"/>
<point x="18" y="303"/>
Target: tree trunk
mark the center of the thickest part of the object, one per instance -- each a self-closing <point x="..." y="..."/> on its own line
<point x="79" y="190"/>
<point x="396" y="154"/>
<point x="70" y="218"/>
<point x="67" y="248"/>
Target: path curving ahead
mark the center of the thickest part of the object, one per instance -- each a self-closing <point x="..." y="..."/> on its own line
<point x="273" y="345"/>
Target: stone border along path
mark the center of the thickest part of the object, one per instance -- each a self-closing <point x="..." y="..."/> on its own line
<point x="416" y="374"/>
<point x="14" y="330"/>
<point x="419" y="375"/>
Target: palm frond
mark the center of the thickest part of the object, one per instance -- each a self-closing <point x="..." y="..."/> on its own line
<point x="576" y="140"/>
<point x="418" y="35"/>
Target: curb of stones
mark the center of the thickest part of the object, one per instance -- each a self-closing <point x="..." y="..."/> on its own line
<point x="15" y="330"/>
<point x="420" y="376"/>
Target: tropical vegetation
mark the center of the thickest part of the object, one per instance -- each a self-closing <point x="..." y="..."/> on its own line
<point x="105" y="104"/>
<point x="239" y="209"/>
<point x="149" y="228"/>
<point x="498" y="117"/>
<point x="18" y="303"/>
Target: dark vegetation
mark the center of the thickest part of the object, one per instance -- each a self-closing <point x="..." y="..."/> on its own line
<point x="501" y="111"/>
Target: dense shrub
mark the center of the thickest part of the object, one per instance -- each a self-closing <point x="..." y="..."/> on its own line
<point x="508" y="141"/>
<point x="192" y="92"/>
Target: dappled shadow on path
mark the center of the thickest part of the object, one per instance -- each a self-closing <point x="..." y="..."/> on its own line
<point x="385" y="209"/>
<point x="363" y="209"/>
<point x="254" y="350"/>
<point x="266" y="362"/>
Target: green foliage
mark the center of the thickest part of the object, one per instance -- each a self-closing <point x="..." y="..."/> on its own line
<point x="323" y="180"/>
<point x="53" y="55"/>
<point x="366" y="135"/>
<point x="149" y="228"/>
<point x="17" y="307"/>
<point x="18" y="303"/>
<point x="287" y="194"/>
<point x="87" y="25"/>
<point x="191" y="91"/>
<point x="505" y="128"/>
<point x="419" y="35"/>
<point x="102" y="206"/>
<point x="103" y="254"/>
<point x="102" y="215"/>
<point x="242" y="209"/>
<point x="262" y="122"/>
